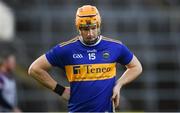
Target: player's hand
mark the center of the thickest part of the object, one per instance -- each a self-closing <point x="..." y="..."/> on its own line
<point x="116" y="95"/>
<point x="66" y="93"/>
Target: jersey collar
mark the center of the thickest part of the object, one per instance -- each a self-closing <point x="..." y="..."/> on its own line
<point x="99" y="40"/>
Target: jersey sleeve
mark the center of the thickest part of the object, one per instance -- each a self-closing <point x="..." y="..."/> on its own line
<point x="125" y="55"/>
<point x="54" y="56"/>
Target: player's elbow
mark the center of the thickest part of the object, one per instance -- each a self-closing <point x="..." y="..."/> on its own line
<point x="139" y="69"/>
<point x="32" y="70"/>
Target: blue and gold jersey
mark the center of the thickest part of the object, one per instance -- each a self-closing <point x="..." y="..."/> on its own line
<point x="91" y="71"/>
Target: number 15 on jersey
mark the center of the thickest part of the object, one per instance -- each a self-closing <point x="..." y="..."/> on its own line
<point x="92" y="56"/>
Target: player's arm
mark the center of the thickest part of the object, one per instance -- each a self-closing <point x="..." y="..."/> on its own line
<point x="133" y="70"/>
<point x="39" y="71"/>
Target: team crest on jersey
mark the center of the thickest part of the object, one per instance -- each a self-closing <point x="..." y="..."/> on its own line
<point x="106" y="55"/>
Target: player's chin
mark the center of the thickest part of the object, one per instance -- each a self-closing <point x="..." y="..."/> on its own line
<point x="93" y="39"/>
<point x="90" y="40"/>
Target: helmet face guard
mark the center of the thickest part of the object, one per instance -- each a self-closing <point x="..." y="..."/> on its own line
<point x="86" y="16"/>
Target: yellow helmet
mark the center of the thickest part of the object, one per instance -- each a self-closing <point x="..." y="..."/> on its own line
<point x="87" y="15"/>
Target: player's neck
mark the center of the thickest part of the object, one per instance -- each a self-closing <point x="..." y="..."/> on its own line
<point x="93" y="43"/>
